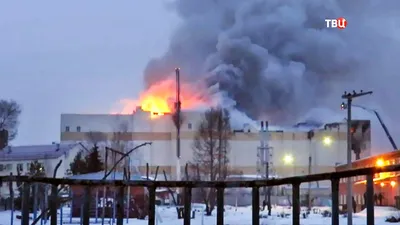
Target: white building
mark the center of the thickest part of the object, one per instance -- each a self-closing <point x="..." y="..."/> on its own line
<point x="292" y="143"/>
<point x="20" y="157"/>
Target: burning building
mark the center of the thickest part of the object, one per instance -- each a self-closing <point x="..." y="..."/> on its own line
<point x="290" y="147"/>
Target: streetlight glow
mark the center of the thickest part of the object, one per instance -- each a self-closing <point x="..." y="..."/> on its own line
<point x="392" y="183"/>
<point x="327" y="141"/>
<point x="288" y="159"/>
<point x="380" y="163"/>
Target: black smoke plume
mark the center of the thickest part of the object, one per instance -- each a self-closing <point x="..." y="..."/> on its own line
<point x="277" y="59"/>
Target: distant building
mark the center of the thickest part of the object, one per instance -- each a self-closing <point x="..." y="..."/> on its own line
<point x="327" y="146"/>
<point x="20" y="157"/>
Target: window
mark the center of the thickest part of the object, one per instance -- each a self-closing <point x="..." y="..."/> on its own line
<point x="9" y="167"/>
<point x="20" y="167"/>
<point x="189" y="126"/>
<point x="2" y="167"/>
<point x="67" y="128"/>
<point x="78" y="128"/>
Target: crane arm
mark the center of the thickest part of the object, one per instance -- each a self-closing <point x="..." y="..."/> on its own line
<point x="386" y="130"/>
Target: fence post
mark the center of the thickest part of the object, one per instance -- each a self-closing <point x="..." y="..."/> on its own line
<point x="152" y="205"/>
<point x="220" y="206"/>
<point x="187" y="206"/>
<point x="370" y="200"/>
<point x="256" y="205"/>
<point x="296" y="203"/>
<point x="86" y="206"/>
<point x="335" y="201"/>
<point x="35" y="200"/>
<point x="25" y="204"/>
<point x="120" y="205"/>
<point x="53" y="205"/>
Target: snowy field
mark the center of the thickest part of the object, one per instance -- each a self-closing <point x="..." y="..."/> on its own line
<point x="233" y="216"/>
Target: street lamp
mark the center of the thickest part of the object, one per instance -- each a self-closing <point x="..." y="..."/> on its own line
<point x="288" y="159"/>
<point x="327" y="141"/>
<point x="380" y="163"/>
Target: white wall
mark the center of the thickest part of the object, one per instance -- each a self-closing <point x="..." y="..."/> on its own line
<point x="49" y="166"/>
<point x="243" y="153"/>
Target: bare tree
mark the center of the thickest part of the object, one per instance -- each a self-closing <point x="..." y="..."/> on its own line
<point x="95" y="137"/>
<point x="210" y="151"/>
<point x="9" y="117"/>
<point x="119" y="143"/>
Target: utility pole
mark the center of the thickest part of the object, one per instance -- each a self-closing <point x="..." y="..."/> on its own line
<point x="178" y="123"/>
<point x="264" y="153"/>
<point x="310" y="136"/>
<point x="349" y="199"/>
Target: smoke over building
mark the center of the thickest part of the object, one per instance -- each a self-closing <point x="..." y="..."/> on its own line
<point x="276" y="59"/>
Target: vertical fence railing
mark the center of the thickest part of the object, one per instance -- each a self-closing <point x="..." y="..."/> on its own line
<point x="256" y="205"/>
<point x="152" y="205"/>
<point x="335" y="201"/>
<point x="122" y="187"/>
<point x="25" y="203"/>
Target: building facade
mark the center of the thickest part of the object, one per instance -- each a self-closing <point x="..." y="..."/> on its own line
<point x="14" y="158"/>
<point x="385" y="184"/>
<point x="290" y="148"/>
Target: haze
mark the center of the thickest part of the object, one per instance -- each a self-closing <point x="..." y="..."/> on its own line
<point x="75" y="56"/>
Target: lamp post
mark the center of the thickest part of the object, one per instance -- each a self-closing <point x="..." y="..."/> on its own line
<point x="349" y="97"/>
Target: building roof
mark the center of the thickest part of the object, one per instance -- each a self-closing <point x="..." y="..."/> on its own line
<point x="34" y="152"/>
<point x="369" y="161"/>
<point x="100" y="175"/>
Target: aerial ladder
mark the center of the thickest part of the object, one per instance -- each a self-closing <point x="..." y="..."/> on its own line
<point x="382" y="124"/>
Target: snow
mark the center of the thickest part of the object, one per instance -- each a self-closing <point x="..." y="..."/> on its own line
<point x="232" y="216"/>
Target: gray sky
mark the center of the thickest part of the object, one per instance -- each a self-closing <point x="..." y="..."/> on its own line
<point x="76" y="56"/>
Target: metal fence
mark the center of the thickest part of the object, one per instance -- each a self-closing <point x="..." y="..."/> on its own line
<point x="188" y="186"/>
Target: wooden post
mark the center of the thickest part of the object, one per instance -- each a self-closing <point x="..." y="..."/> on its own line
<point x="53" y="205"/>
<point x="120" y="205"/>
<point x="256" y="206"/>
<point x="335" y="201"/>
<point x="86" y="206"/>
<point x="220" y="205"/>
<point x="25" y="204"/>
<point x="296" y="203"/>
<point x="152" y="205"/>
<point x="187" y="205"/>
<point x="370" y="200"/>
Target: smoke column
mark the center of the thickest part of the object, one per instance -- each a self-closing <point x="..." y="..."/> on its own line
<point x="277" y="60"/>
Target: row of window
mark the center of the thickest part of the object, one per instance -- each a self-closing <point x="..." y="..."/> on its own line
<point x="78" y="128"/>
<point x="353" y="179"/>
<point x="9" y="167"/>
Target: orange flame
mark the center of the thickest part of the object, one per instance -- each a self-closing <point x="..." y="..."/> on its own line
<point x="160" y="98"/>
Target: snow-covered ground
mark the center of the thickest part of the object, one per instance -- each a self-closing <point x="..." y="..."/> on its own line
<point x="233" y="216"/>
